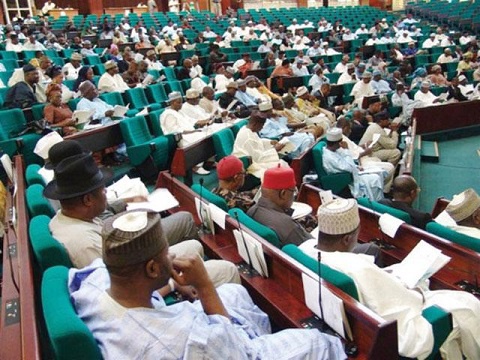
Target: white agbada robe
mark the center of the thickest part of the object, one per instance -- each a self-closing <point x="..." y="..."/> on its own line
<point x="446" y="220"/>
<point x="70" y="72"/>
<point x="221" y="82"/>
<point x="364" y="184"/>
<point x="193" y="112"/>
<point x="263" y="153"/>
<point x="389" y="298"/>
<point x="425" y="99"/>
<point x="173" y="122"/>
<point x="258" y="95"/>
<point x="108" y="83"/>
<point x="360" y="90"/>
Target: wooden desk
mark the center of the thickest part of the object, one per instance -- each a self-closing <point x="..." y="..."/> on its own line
<point x="447" y="117"/>
<point x="100" y="138"/>
<point x="56" y="13"/>
<point x="18" y="326"/>
<point x="116" y="10"/>
<point x="139" y="11"/>
<point x="281" y="295"/>
<point x="464" y="263"/>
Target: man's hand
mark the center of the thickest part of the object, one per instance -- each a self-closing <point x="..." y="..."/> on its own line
<point x="278" y="146"/>
<point x="394" y="126"/>
<point x="189" y="270"/>
<point x="343" y="145"/>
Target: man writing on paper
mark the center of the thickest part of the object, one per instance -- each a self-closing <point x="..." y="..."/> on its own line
<point x="339" y="226"/>
<point x="464" y="211"/>
<point x="119" y="302"/>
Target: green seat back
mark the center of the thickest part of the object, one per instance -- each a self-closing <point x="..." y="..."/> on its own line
<point x="237" y="126"/>
<point x="32" y="176"/>
<point x="135" y="131"/>
<point x="223" y="143"/>
<point x="13" y="121"/>
<point x="441" y="325"/>
<point x="210" y="197"/>
<point x="260" y="229"/>
<point x="37" y="111"/>
<point x="37" y="204"/>
<point x="48" y="251"/>
<point x="335" y="182"/>
<point x="69" y="336"/>
<point x="337" y="278"/>
<point x="156" y="93"/>
<point x="136" y="97"/>
<point x="154" y="122"/>
<point x="454" y="236"/>
<point x="382" y="209"/>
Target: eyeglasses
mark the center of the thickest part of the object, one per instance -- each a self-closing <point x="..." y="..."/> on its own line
<point x="294" y="191"/>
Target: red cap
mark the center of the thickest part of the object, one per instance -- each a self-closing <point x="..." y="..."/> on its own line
<point x="228" y="167"/>
<point x="279" y="178"/>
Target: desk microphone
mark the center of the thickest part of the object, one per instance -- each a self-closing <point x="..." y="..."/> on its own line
<point x="203" y="227"/>
<point x="250" y="267"/>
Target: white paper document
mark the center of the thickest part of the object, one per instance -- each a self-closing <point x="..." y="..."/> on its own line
<point x="300" y="210"/>
<point x="251" y="248"/>
<point x="159" y="200"/>
<point x="326" y="196"/>
<point x="332" y="306"/>
<point x="82" y="116"/>
<point x="288" y="148"/>
<point x="389" y="224"/>
<point x="422" y="262"/>
<point x="126" y="188"/>
<point x="375" y="138"/>
<point x="218" y="215"/>
<point x="205" y="215"/>
<point x="7" y="166"/>
<point x="119" y="111"/>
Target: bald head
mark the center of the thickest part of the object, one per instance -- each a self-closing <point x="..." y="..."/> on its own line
<point x="404" y="188"/>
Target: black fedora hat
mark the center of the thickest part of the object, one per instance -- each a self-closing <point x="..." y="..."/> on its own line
<point x="75" y="176"/>
<point x="63" y="150"/>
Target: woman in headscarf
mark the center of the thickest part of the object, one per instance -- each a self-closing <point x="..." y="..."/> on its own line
<point x="85" y="73"/>
<point x="58" y="114"/>
<point x="55" y="73"/>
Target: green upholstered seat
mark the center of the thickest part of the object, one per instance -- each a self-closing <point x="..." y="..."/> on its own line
<point x="37" y="204"/>
<point x="48" y="251"/>
<point x="335" y="182"/>
<point x="210" y="197"/>
<point x="454" y="236"/>
<point x="156" y="93"/>
<point x="138" y="100"/>
<point x="261" y="230"/>
<point x="382" y="209"/>
<point x="32" y="176"/>
<point x="440" y="320"/>
<point x="223" y="141"/>
<point x="141" y="144"/>
<point x="340" y="280"/>
<point x="69" y="336"/>
<point x="154" y="122"/>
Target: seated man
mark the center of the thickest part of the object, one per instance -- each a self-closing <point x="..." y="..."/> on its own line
<point x="119" y="303"/>
<point x="192" y="109"/>
<point x="386" y="147"/>
<point x="80" y="187"/>
<point x="464" y="213"/>
<point x="91" y="101"/>
<point x="22" y="94"/>
<point x="244" y="97"/>
<point x="339" y="226"/>
<point x="231" y="177"/>
<point x="362" y="88"/>
<point x="337" y="159"/>
<point x="310" y="106"/>
<point x="111" y="81"/>
<point x="424" y="96"/>
<point x="404" y="191"/>
<point x="229" y="101"/>
<point x="263" y="152"/>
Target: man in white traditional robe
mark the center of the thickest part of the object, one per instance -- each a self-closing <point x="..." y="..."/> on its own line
<point x="192" y="110"/>
<point x="111" y="81"/>
<point x="362" y="88"/>
<point x="263" y="152"/>
<point x="425" y="96"/>
<point x="337" y="159"/>
<point x="463" y="214"/>
<point x="381" y="291"/>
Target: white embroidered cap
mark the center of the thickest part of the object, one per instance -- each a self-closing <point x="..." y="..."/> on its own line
<point x="463" y="205"/>
<point x="338" y="217"/>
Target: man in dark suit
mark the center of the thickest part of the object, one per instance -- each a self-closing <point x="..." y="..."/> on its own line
<point x="22" y="94"/>
<point x="405" y="190"/>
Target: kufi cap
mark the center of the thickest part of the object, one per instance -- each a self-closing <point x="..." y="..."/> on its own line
<point x="228" y="167"/>
<point x="174" y="96"/>
<point x="350" y="66"/>
<point x="299" y="61"/>
<point x="411" y="43"/>
<point x="462" y="78"/>
<point x="294" y="20"/>
<point x="436" y="67"/>
<point x="367" y="75"/>
<point x="232" y="85"/>
<point x="110" y="64"/>
<point x="230" y="69"/>
<point x="76" y="56"/>
<point x="63" y="150"/>
<point x="363" y="25"/>
<point x="384" y="19"/>
<point x="302" y="90"/>
<point x="279" y="178"/>
<point x="250" y="78"/>
<point x="132" y="237"/>
<point x="87" y="42"/>
<point x="377" y="73"/>
<point x="28" y="68"/>
<point x="241" y="82"/>
<point x="345" y="57"/>
<point x="334" y="134"/>
<point x="288" y="97"/>
<point x="338" y="217"/>
<point x="316" y="68"/>
<point x="432" y="34"/>
<point x="463" y="205"/>
<point x="361" y="65"/>
<point x="74" y="176"/>
<point x="150" y="52"/>
<point x="426" y="84"/>
<point x="265" y="106"/>
<point x="192" y="94"/>
<point x="45" y="143"/>
<point x="325" y="43"/>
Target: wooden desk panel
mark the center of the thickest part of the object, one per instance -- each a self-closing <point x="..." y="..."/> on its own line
<point x="56" y="13"/>
<point x="99" y="139"/>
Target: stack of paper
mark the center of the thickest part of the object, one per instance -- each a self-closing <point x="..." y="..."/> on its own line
<point x="119" y="111"/>
<point x="158" y="201"/>
<point x="82" y="116"/>
<point x="250" y="249"/>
